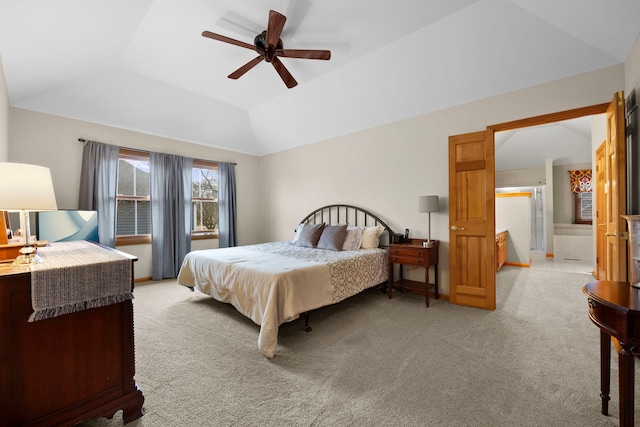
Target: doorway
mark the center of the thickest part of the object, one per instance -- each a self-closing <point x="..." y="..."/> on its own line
<point x="472" y="201"/>
<point x="536" y="160"/>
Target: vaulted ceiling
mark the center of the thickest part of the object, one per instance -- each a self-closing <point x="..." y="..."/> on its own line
<point x="566" y="142"/>
<point x="143" y="65"/>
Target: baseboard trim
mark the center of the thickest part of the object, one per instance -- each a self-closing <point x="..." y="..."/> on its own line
<point x="515" y="264"/>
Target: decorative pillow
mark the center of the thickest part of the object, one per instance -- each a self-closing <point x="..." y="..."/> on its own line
<point x="353" y="239"/>
<point x="371" y="237"/>
<point x="310" y="235"/>
<point x="298" y="231"/>
<point x="332" y="237"/>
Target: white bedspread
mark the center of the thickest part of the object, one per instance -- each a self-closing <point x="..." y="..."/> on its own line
<point x="273" y="283"/>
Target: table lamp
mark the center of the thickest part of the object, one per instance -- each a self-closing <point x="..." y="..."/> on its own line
<point x="25" y="188"/>
<point x="428" y="204"/>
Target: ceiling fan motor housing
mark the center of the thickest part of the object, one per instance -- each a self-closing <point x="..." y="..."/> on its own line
<point x="260" y="42"/>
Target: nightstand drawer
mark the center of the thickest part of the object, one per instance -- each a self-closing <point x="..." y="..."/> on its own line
<point x="408" y="252"/>
<point x="406" y="260"/>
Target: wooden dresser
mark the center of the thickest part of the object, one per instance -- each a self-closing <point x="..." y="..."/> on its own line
<point x="66" y="369"/>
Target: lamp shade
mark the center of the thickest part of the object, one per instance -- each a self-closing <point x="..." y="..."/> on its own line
<point x="26" y="187"/>
<point x="428" y="204"/>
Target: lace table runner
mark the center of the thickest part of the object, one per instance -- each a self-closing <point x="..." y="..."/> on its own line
<point x="77" y="276"/>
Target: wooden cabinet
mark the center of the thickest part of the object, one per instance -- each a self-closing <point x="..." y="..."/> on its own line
<point x="66" y="369"/>
<point x="414" y="253"/>
<point x="501" y="249"/>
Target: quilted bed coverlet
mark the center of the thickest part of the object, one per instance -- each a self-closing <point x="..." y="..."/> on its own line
<point x="273" y="283"/>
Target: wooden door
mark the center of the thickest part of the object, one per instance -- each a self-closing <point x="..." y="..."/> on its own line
<point x="616" y="194"/>
<point x="472" y="257"/>
<point x="601" y="212"/>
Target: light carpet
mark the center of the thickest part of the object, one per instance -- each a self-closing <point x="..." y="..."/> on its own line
<point x="371" y="361"/>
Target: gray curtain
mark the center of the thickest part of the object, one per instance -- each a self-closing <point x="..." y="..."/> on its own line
<point x="170" y="213"/>
<point x="98" y="186"/>
<point x="227" y="205"/>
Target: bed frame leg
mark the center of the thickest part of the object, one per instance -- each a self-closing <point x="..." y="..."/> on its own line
<point x="306" y="328"/>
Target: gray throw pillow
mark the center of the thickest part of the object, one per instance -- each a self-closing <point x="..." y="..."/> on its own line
<point x="310" y="235"/>
<point x="332" y="237"/>
<point x="353" y="239"/>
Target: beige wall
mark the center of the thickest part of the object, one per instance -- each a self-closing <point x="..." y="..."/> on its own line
<point x="513" y="213"/>
<point x="4" y="116"/>
<point x="52" y="141"/>
<point x="521" y="177"/>
<point x="383" y="169"/>
<point x="386" y="169"/>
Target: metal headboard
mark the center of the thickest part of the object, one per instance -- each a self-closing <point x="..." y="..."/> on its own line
<point x="348" y="214"/>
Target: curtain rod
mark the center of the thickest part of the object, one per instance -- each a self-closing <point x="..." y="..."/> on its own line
<point x="145" y="151"/>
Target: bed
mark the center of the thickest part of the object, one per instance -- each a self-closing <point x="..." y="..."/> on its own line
<point x="336" y="252"/>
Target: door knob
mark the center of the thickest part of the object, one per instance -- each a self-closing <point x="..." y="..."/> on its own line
<point x="456" y="228"/>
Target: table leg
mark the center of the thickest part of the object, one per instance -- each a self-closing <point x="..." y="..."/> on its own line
<point x="605" y="370"/>
<point x="426" y="286"/>
<point x="435" y="274"/>
<point x="390" y="282"/>
<point x="626" y="381"/>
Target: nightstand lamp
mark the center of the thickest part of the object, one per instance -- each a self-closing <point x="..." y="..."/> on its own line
<point x="428" y="204"/>
<point x="26" y="188"/>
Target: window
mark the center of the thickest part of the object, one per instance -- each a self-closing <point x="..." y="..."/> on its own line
<point x="581" y="189"/>
<point x="582" y="208"/>
<point x="133" y="210"/>
<point x="204" y="199"/>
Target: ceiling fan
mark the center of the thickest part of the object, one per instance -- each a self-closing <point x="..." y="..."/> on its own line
<point x="269" y="47"/>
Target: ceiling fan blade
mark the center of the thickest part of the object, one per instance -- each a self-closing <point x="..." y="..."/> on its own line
<point x="226" y="39"/>
<point x="274" y="28"/>
<point x="246" y="67"/>
<point x="304" y="53"/>
<point x="285" y="75"/>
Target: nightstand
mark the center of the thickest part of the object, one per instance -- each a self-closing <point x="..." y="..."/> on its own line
<point x="413" y="253"/>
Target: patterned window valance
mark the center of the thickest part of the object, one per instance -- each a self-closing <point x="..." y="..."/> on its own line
<point x="581" y="181"/>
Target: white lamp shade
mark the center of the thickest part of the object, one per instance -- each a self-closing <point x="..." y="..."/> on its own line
<point x="428" y="204"/>
<point x="26" y="187"/>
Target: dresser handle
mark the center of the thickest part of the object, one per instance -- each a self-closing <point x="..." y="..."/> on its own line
<point x="592" y="303"/>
